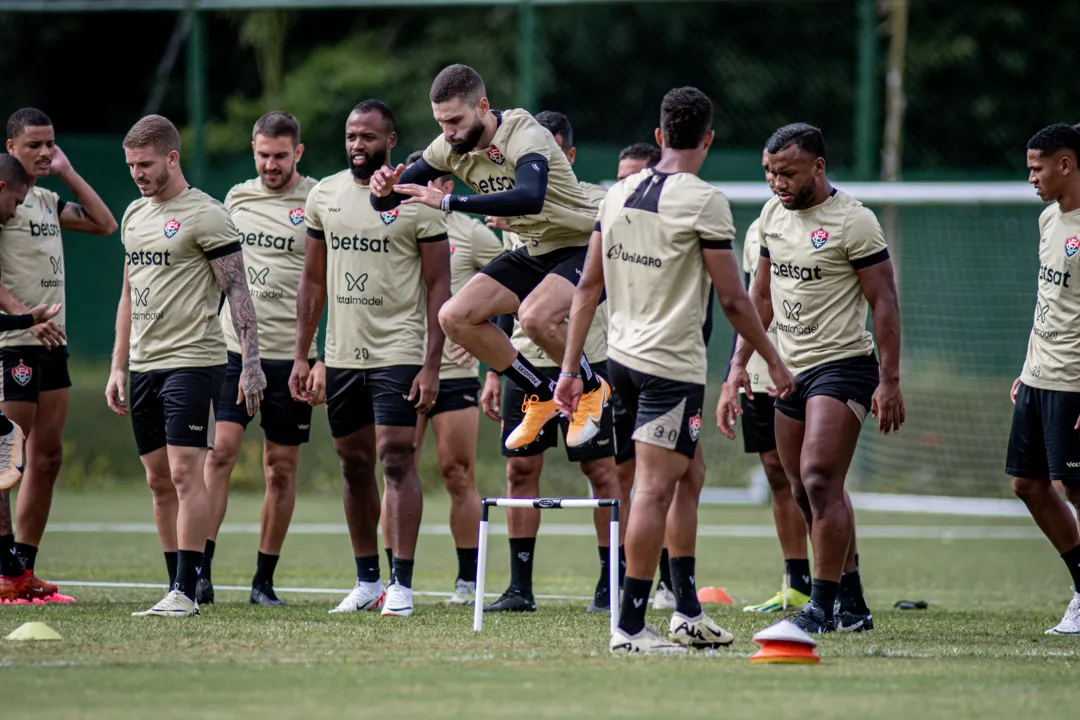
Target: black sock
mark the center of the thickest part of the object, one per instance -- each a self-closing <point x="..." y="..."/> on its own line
<point x="682" y="574"/>
<point x="589" y="380"/>
<point x="798" y="574"/>
<point x="264" y="570"/>
<point x="635" y="601"/>
<point x="10" y="564"/>
<point x="857" y="565"/>
<point x="401" y="572"/>
<point x="188" y="564"/>
<point x="622" y="565"/>
<point x="665" y="569"/>
<point x="389" y="558"/>
<point x="523" y="374"/>
<point x="823" y="594"/>
<point x="466" y="564"/>
<point x="367" y="568"/>
<point x="851" y="594"/>
<point x="27" y="553"/>
<point x="1072" y="559"/>
<point x="208" y="559"/>
<point x="602" y="583"/>
<point x="521" y="564"/>
<point x="171" y="561"/>
<point x="5" y="424"/>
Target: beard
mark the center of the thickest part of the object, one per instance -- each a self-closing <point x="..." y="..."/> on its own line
<point x="471" y="139"/>
<point x="372" y="162"/>
<point x="157" y="184"/>
<point x="279" y="180"/>
<point x="801" y="199"/>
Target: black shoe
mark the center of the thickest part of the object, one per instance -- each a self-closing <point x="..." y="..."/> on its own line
<point x="811" y="619"/>
<point x="204" y="592"/>
<point x="264" y="595"/>
<point x="512" y="600"/>
<point x="854" y="621"/>
<point x="601" y="602"/>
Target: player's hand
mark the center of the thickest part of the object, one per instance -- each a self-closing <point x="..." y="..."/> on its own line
<point x="425" y="389"/>
<point x="497" y="223"/>
<point x="461" y="357"/>
<point x="1015" y="387"/>
<point x="44" y="313"/>
<point x="316" y="384"/>
<point x="299" y="382"/>
<point x="60" y="163"/>
<point x="783" y="382"/>
<point x="115" y="395"/>
<point x="49" y="334"/>
<point x="568" y="395"/>
<point x="727" y="407"/>
<point x="252" y="384"/>
<point x="423" y="194"/>
<point x="384" y="179"/>
<point x="491" y="397"/>
<point x="887" y="406"/>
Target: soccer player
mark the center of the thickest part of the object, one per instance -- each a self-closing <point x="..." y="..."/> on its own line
<point x="635" y="158"/>
<point x="661" y="235"/>
<point x="525" y="465"/>
<point x="823" y="260"/>
<point x="182" y="253"/>
<point x="1043" y="444"/>
<point x="268" y="212"/>
<point x="34" y="361"/>
<point x="518" y="173"/>
<point x="386" y="274"/>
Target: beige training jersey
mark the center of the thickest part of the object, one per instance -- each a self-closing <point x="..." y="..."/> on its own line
<point x="654" y="227"/>
<point x="32" y="259"/>
<point x="566" y="219"/>
<point x="472" y="246"/>
<point x="374" y="277"/>
<point x="818" y="305"/>
<point x="271" y="227"/>
<point x="174" y="294"/>
<point x="756" y="367"/>
<point x="1053" y="354"/>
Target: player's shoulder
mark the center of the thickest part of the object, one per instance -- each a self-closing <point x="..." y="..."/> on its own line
<point x="517" y="118"/>
<point x="464" y="224"/>
<point x="854" y="213"/>
<point x="243" y="191"/>
<point x="415" y="214"/>
<point x="770" y="209"/>
<point x="132" y="211"/>
<point x="46" y="197"/>
<point x="683" y="192"/>
<point x="305" y="186"/>
<point x="593" y="193"/>
<point x="1049" y="214"/>
<point x="333" y="182"/>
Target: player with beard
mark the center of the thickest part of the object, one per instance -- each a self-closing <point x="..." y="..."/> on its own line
<point x="34" y="361"/>
<point x="823" y="261"/>
<point x="182" y="253"/>
<point x="387" y="274"/>
<point x="518" y="173"/>
<point x="269" y="213"/>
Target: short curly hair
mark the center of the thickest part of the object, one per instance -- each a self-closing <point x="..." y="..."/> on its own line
<point x="685" y="118"/>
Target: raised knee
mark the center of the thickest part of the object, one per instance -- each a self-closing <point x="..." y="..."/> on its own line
<point x="450" y="318"/>
<point x="1026" y="488"/>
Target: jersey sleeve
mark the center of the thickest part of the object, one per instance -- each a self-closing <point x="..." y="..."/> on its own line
<point x="313" y="213"/>
<point x="864" y="239"/>
<point x="485" y="245"/>
<point x="714" y="224"/>
<point x="125" y="221"/>
<point x="528" y="138"/>
<point x="748" y="245"/>
<point x="217" y="234"/>
<point x="230" y="198"/>
<point x="430" y="225"/>
<point x="437" y="154"/>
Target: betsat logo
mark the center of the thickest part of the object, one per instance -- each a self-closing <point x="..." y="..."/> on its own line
<point x="1072" y="246"/>
<point x="296" y="216"/>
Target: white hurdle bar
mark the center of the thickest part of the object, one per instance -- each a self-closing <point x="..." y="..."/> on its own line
<point x="549" y="504"/>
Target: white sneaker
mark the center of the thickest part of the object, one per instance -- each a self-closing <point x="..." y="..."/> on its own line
<point x="398" y="601"/>
<point x="646" y="641"/>
<point x="175" y="604"/>
<point x="365" y="596"/>
<point x="464" y="594"/>
<point x="1070" y="624"/>
<point x="700" y="632"/>
<point x="12" y="460"/>
<point x="663" y="598"/>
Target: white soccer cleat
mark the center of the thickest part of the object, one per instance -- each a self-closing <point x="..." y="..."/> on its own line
<point x="398" y="601"/>
<point x="464" y="594"/>
<point x="175" y="604"/>
<point x="365" y="596"/>
<point x="700" y="633"/>
<point x="1070" y="624"/>
<point x="12" y="460"/>
<point x="663" y="598"/>
<point x="647" y="641"/>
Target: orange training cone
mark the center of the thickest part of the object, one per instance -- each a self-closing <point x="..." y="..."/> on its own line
<point x="785" y="642"/>
<point x="714" y="595"/>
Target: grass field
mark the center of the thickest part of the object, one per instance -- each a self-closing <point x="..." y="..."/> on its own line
<point x="979" y="650"/>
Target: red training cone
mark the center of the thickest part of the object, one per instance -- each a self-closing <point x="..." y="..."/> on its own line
<point x="714" y="595"/>
<point x="785" y="642"/>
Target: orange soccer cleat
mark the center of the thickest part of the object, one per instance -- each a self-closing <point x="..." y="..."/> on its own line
<point x="33" y="589"/>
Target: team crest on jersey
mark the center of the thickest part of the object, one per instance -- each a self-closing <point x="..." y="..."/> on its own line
<point x="22" y="373"/>
<point x="452" y="249"/>
<point x="389" y="216"/>
<point x="48" y="209"/>
<point x="695" y="426"/>
<point x="819" y="237"/>
<point x="296" y="216"/>
<point x="495" y="155"/>
<point x="171" y="228"/>
<point x="1072" y="245"/>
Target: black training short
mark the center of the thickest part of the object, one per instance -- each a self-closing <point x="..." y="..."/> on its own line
<point x="283" y="420"/>
<point x="601" y="446"/>
<point x="758" y="423"/>
<point x="1043" y="443"/>
<point x="520" y="272"/>
<point x="29" y="370"/>
<point x="456" y="394"/>
<point x="175" y="407"/>
<point x="624" y="428"/>
<point x="357" y="398"/>
<point x="852" y="381"/>
<point x="666" y="413"/>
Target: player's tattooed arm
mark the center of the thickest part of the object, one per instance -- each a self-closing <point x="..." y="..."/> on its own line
<point x="89" y="215"/>
<point x="229" y="271"/>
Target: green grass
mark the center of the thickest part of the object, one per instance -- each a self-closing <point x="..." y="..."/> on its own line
<point x="978" y="650"/>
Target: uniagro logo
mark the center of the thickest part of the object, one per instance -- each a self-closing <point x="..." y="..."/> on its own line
<point x="495" y="155"/>
<point x="819" y="237"/>
<point x="389" y="216"/>
<point x="171" y="228"/>
<point x="1072" y="245"/>
<point x="296" y="216"/>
